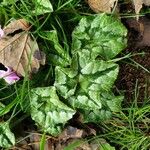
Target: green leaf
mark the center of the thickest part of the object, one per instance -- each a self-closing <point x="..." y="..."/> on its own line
<point x="97" y="66"/>
<point x="87" y="86"/>
<point x="66" y="79"/>
<point x="96" y="116"/>
<point x="90" y="89"/>
<point x="111" y="101"/>
<point x="7" y="138"/>
<point x="98" y="76"/>
<point x="64" y="76"/>
<point x="84" y="102"/>
<point x="49" y="113"/>
<point x="8" y="2"/>
<point x="43" y="6"/>
<point x="103" y="35"/>
<point x="98" y="107"/>
<point x="58" y="55"/>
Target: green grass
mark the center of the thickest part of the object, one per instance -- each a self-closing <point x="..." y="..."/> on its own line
<point x="128" y="129"/>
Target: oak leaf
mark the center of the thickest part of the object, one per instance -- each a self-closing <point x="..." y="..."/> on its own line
<point x="20" y="51"/>
<point x="101" y="5"/>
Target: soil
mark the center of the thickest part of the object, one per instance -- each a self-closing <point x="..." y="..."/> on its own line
<point x="131" y="74"/>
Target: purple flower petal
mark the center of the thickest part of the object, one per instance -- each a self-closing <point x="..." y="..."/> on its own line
<point x="11" y="79"/>
<point x="9" y="76"/>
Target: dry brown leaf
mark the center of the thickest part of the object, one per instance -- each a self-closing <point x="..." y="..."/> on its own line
<point x="16" y="25"/>
<point x="138" y="4"/>
<point x="20" y="52"/>
<point x="101" y="5"/>
<point x="146" y="2"/>
<point x="142" y="29"/>
<point x="71" y="132"/>
<point x="35" y="139"/>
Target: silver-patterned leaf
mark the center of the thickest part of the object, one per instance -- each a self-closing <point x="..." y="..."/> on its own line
<point x="49" y="113"/>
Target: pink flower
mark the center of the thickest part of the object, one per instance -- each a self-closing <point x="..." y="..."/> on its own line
<point x="1" y="32"/>
<point x="9" y="76"/>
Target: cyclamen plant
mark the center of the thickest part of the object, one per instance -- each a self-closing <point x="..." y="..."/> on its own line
<point x="9" y="75"/>
<point x="86" y="83"/>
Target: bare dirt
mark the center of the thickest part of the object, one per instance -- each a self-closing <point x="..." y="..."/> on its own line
<point x="138" y="73"/>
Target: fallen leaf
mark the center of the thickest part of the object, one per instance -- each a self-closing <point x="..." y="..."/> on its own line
<point x="19" y="51"/>
<point x="35" y="142"/>
<point x="16" y="25"/>
<point x="138" y="5"/>
<point x="142" y="29"/>
<point x="101" y="5"/>
<point x="71" y="132"/>
<point x="22" y="145"/>
<point x="146" y="2"/>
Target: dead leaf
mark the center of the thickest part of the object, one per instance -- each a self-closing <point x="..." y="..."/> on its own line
<point x="16" y="25"/>
<point x="18" y="51"/>
<point x="22" y="145"/>
<point x="142" y="29"/>
<point x="101" y="5"/>
<point x="138" y="5"/>
<point x="146" y="2"/>
<point x="35" y="142"/>
<point x="71" y="132"/>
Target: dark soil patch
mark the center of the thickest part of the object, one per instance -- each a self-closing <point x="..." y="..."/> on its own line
<point x="132" y="74"/>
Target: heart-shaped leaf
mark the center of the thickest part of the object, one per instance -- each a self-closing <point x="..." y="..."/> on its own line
<point x="43" y="6"/>
<point x="49" y="113"/>
<point x="104" y="36"/>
